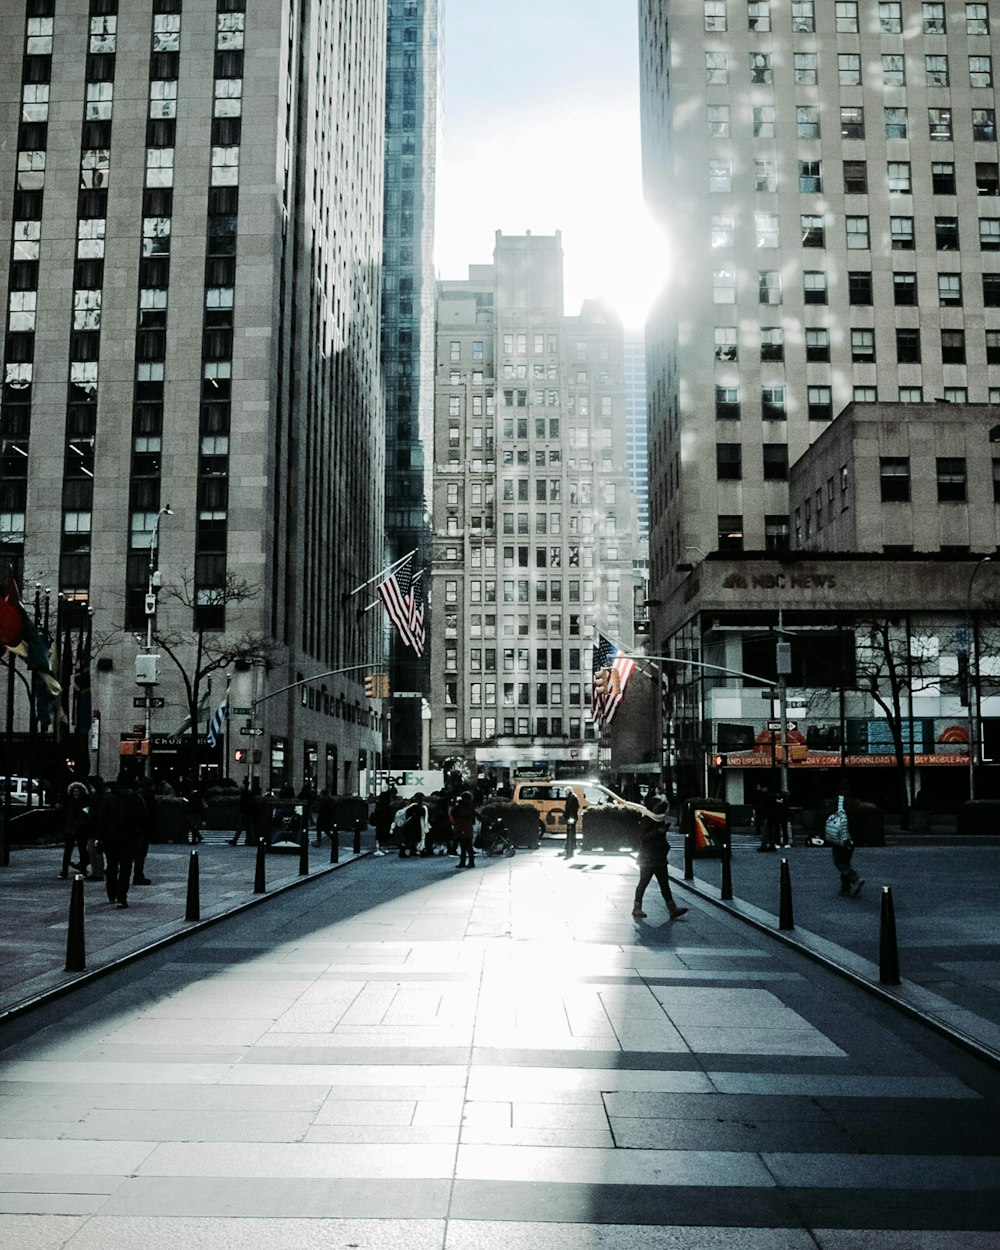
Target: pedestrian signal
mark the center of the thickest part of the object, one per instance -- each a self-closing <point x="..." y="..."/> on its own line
<point x="239" y="755"/>
<point x="721" y="761"/>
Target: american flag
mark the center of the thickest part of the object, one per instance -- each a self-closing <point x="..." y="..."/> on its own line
<point x="611" y="670"/>
<point x="396" y="593"/>
<point x="416" y="615"/>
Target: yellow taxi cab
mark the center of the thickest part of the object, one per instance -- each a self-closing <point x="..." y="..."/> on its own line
<point x="549" y="800"/>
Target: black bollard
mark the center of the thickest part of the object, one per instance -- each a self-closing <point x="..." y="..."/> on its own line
<point x="258" y="881"/>
<point x="570" y="849"/>
<point x="76" y="948"/>
<point x="357" y="836"/>
<point x="727" y="871"/>
<point x="304" y="853"/>
<point x="688" y="857"/>
<point x="888" y="951"/>
<point x="193" y="911"/>
<point x="334" y="836"/>
<point x="785" y="918"/>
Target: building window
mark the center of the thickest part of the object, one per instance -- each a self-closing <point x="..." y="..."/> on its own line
<point x="772" y="403"/>
<point x="980" y="71"/>
<point x="814" y="286"/>
<point x="857" y="233"/>
<point x="956" y="395"/>
<point x="984" y="125"/>
<point x="989" y="234"/>
<point x="728" y="462"/>
<point x="723" y="230"/>
<point x="896" y="123"/>
<point x="730" y="533"/>
<point x="993" y="347"/>
<point x="951" y="479"/>
<point x="763" y="121"/>
<point x="849" y="65"/>
<point x="776" y="533"/>
<point x="715" y="15"/>
<point x="766" y="229"/>
<point x="943" y="177"/>
<point x="765" y="175"/>
<point x="727" y="403"/>
<point x="933" y="19"/>
<point x="726" y="346"/>
<point x="977" y="19"/>
<point x="939" y="123"/>
<point x="803" y="17"/>
<point x="904" y="288"/>
<point x="911" y="394"/>
<point x="759" y="16"/>
<point x="805" y="64"/>
<point x="769" y="286"/>
<point x="718" y="121"/>
<point x="865" y="394"/>
<point x="775" y="462"/>
<point x="852" y="121"/>
<point x="950" y="289"/>
<point x="953" y="347"/>
<point x="991" y="290"/>
<point x="720" y="177"/>
<point x="859" y="285"/>
<point x="936" y="70"/>
<point x="987" y="178"/>
<point x="819" y="401"/>
<point x="899" y="177"/>
<point x="810" y="177"/>
<point x="846" y="14"/>
<point x="863" y="346"/>
<point x="855" y="178"/>
<point x="901" y="234"/>
<point x="772" y="343"/>
<point x="894" y="478"/>
<point x="813" y="230"/>
<point x="807" y="121"/>
<point x="890" y="17"/>
<point x="893" y="69"/>
<point x="760" y="67"/>
<point x="818" y="345"/>
<point x="724" y="286"/>
<point x="717" y="68"/>
<point x="908" y="346"/>
<point x="946" y="234"/>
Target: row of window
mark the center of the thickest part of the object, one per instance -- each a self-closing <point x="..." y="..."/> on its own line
<point x="815" y="287"/>
<point x="886" y="19"/>
<point x="951" y="477"/>
<point x="728" y="406"/>
<point x="529" y="727"/>
<point x="857" y="236"/>
<point x="816" y="341"/>
<point x="936" y="69"/>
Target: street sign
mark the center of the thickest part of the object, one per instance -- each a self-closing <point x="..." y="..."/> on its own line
<point x="775" y="725"/>
<point x="239" y="711"/>
<point x="248" y="732"/>
<point x="153" y="701"/>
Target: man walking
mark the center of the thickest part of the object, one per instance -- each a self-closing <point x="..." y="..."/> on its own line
<point x="653" y="851"/>
<point x="118" y="823"/>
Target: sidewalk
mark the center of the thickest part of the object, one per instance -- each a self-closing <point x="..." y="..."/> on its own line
<point x="402" y="1056"/>
<point x="946" y="900"/>
<point x="34" y="907"/>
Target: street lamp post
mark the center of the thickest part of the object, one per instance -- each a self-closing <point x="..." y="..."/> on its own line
<point x="972" y="650"/>
<point x="152" y="586"/>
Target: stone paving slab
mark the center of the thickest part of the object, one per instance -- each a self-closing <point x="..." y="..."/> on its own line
<point x="287" y="1077"/>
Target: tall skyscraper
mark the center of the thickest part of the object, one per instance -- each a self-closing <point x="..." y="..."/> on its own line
<point x="412" y="120"/>
<point x="192" y="386"/>
<point x="534" y="518"/>
<point x="828" y="173"/>
<point x="637" y="428"/>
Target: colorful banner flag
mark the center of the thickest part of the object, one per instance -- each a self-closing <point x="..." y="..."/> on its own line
<point x="611" y="672"/>
<point x="218" y="720"/>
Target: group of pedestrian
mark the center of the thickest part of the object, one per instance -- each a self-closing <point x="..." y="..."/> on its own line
<point x="107" y="826"/>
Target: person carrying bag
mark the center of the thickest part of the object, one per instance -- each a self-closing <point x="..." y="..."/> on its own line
<point x="838" y="838"/>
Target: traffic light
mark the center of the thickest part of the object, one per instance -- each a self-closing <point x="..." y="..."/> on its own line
<point x="601" y="679"/>
<point x="383" y="685"/>
<point x="239" y="755"/>
<point x="371" y="686"/>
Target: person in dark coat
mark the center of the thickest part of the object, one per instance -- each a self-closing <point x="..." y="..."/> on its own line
<point x="653" y="852"/>
<point x="245" y="812"/>
<point x="382" y="817"/>
<point x="77" y="828"/>
<point x="463" y="818"/>
<point x="119" y="819"/>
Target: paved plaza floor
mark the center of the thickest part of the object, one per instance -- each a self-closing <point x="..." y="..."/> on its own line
<point x="399" y="1054"/>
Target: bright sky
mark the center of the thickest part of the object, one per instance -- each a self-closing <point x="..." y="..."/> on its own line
<point x="541" y="133"/>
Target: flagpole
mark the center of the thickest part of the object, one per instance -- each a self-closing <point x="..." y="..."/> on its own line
<point x="390" y="568"/>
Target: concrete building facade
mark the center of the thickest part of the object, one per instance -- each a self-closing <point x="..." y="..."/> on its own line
<point x="828" y="175"/>
<point x="534" y="518"/>
<point x="192" y="385"/>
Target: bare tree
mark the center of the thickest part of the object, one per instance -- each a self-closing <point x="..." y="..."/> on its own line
<point x="199" y="652"/>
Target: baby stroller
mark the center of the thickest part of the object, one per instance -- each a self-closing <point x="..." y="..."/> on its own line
<point x="491" y="839"/>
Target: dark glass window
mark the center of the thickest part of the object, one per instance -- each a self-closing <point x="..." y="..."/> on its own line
<point x="859" y="285"/>
<point x="894" y="478"/>
<point x="908" y="346"/>
<point x="728" y="461"/>
<point x="775" y="461"/>
<point x="951" y="479"/>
